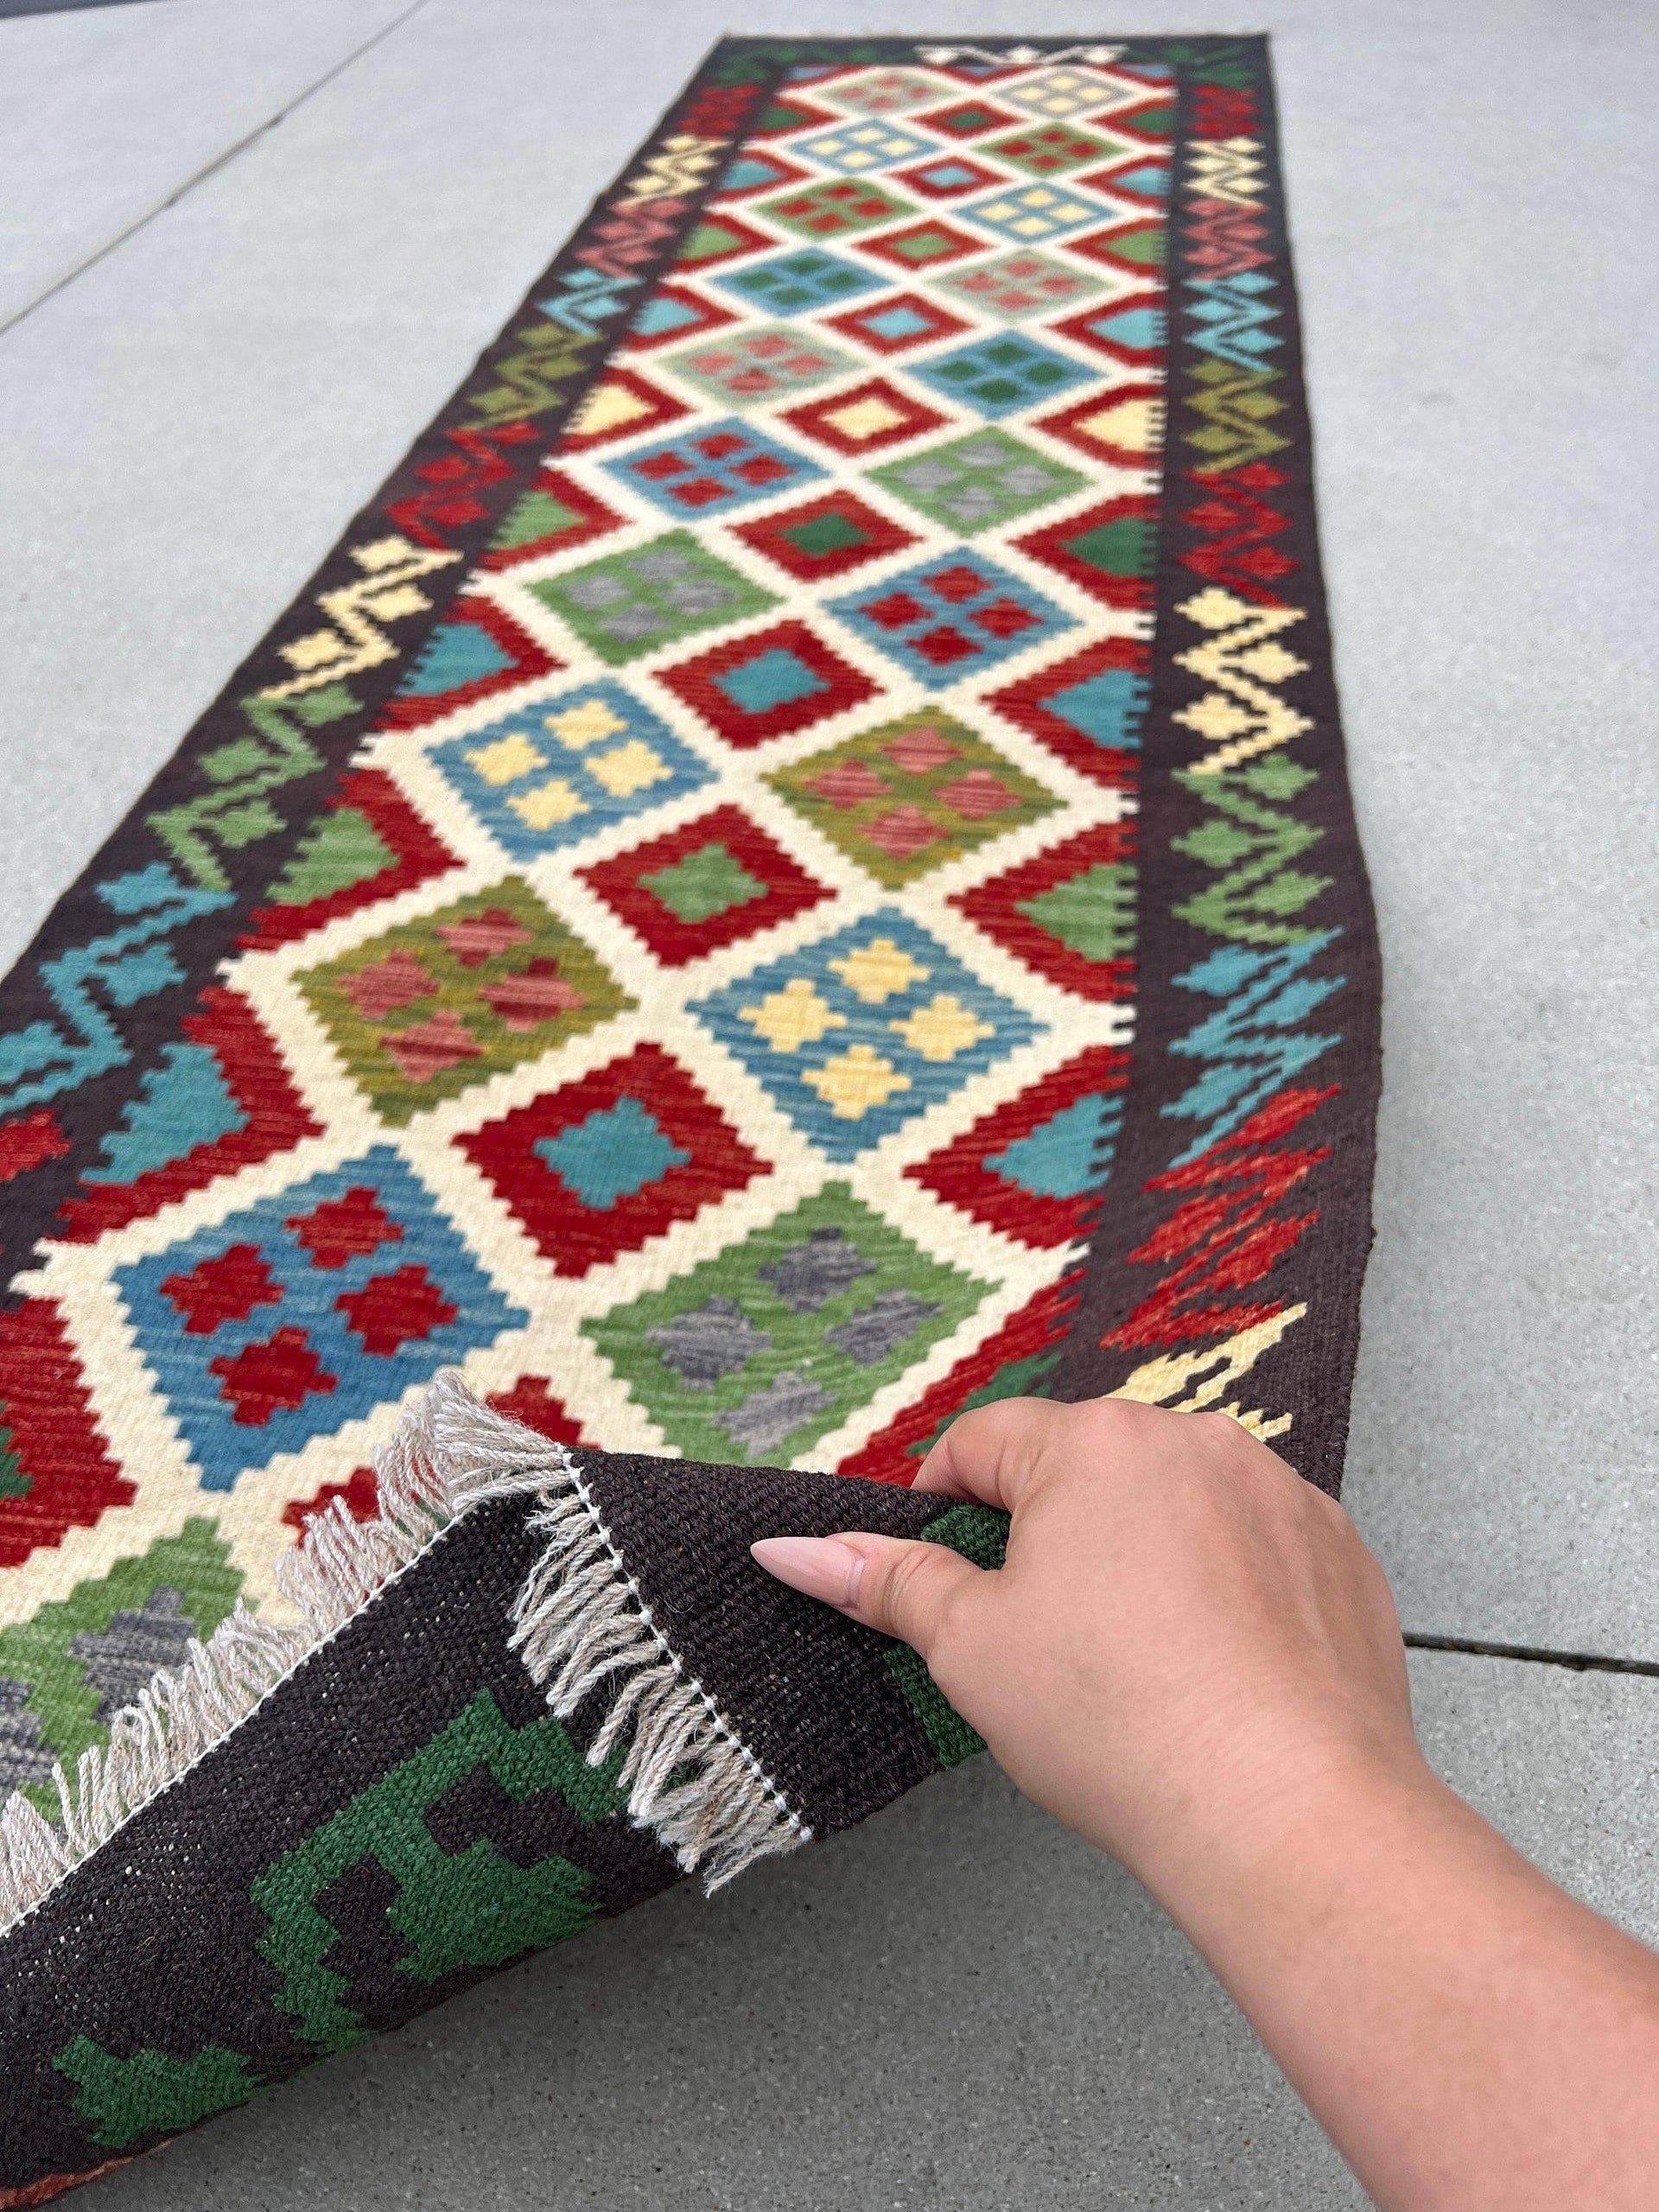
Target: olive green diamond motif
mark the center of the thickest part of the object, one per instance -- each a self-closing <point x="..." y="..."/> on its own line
<point x="979" y="481"/>
<point x="627" y="604"/>
<point x="903" y="799"/>
<point x="425" y="1011"/>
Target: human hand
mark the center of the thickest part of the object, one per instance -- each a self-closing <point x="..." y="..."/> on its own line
<point x="1186" y="1636"/>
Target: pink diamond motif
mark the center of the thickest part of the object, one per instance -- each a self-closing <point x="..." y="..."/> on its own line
<point x="977" y="794"/>
<point x="917" y="752"/>
<point x="479" y="937"/>
<point x="384" y="985"/>
<point x="539" y="994"/>
<point x="849" y="784"/>
<point x="431" y="1047"/>
<point x="901" y="832"/>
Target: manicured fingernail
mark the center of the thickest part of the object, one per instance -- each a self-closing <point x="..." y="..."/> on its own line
<point x="819" y="1566"/>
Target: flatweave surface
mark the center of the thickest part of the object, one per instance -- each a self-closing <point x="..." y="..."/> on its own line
<point x="791" y="876"/>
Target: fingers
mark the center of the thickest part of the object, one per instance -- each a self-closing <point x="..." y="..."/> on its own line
<point x="903" y="1589"/>
<point x="989" y="1454"/>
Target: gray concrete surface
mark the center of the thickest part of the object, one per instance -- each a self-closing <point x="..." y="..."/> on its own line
<point x="958" y="2005"/>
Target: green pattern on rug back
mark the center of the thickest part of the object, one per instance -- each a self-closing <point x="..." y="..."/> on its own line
<point x="81" y="1657"/>
<point x="981" y="1536"/>
<point x="150" y="2092"/>
<point x="472" y="1907"/>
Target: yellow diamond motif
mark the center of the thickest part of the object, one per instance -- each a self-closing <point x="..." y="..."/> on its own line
<point x="876" y="971"/>
<point x="607" y="407"/>
<point x="546" y="807"/>
<point x="858" y="1080"/>
<point x="792" y="1017"/>
<point x="507" y="759"/>
<point x="633" y="767"/>
<point x="585" y="725"/>
<point x="942" y="1030"/>
<point x="864" y="418"/>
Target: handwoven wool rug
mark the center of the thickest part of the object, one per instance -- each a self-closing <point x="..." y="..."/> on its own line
<point x="793" y="875"/>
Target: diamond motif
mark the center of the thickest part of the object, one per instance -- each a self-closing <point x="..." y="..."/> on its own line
<point x="946" y="177"/>
<point x="756" y="1353"/>
<point x="857" y="1034"/>
<point x="767" y="685"/>
<point x="1060" y="92"/>
<point x="771" y="361"/>
<point x="1000" y="375"/>
<point x="884" y="92"/>
<point x="835" y="209"/>
<point x="1015" y="285"/>
<point x="871" y="416"/>
<point x="1140" y="247"/>
<point x="824" y="537"/>
<point x="897" y="323"/>
<point x="330" y="1331"/>
<point x="1124" y="426"/>
<point x="794" y="283"/>
<point x="922" y="245"/>
<point x="559" y="772"/>
<point x="1110" y="551"/>
<point x="907" y="797"/>
<point x="620" y="405"/>
<point x="1050" y="149"/>
<point x="1033" y="212"/>
<point x="506" y="982"/>
<point x="594" y="1169"/>
<point x="1148" y="182"/>
<point x="857" y="148"/>
<point x="1034" y="1167"/>
<point x="952" y="617"/>
<point x="709" y="471"/>
<point x="719" y="879"/>
<point x="556" y="515"/>
<point x="1135" y="331"/>
<point x="719" y="238"/>
<point x="674" y="311"/>
<point x="1069" y="913"/>
<point x="1088" y="709"/>
<point x="978" y="481"/>
<point x="969" y="119"/>
<point x="630" y="603"/>
<point x="754" y="171"/>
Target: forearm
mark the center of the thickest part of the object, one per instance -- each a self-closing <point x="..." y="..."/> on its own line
<point x="1468" y="2036"/>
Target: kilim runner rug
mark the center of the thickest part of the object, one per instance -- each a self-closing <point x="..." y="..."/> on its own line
<point x="792" y="876"/>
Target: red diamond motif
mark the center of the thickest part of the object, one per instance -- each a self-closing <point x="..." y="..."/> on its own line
<point x="224" y="1289"/>
<point x="385" y="985"/>
<point x="393" y="1310"/>
<point x="625" y="885"/>
<point x="867" y="419"/>
<point x="713" y="684"/>
<point x="480" y="937"/>
<point x="278" y="1375"/>
<point x="540" y="993"/>
<point x="427" y="1048"/>
<point x="345" y="1228"/>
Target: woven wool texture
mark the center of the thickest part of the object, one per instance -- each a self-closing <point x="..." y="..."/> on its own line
<point x="793" y="875"/>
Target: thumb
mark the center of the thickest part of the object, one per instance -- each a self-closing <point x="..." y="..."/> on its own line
<point x="902" y="1588"/>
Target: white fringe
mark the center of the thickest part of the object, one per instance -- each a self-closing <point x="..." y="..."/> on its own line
<point x="691" y="1779"/>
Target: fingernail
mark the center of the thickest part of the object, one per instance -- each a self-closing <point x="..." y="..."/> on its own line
<point x="820" y="1567"/>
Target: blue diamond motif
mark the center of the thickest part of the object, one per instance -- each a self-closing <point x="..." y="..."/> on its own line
<point x="856" y="1035"/>
<point x="793" y="283"/>
<point x="711" y="470"/>
<point x="952" y="617"/>
<point x="1000" y="375"/>
<point x="270" y="1284"/>
<point x="554" y="773"/>
<point x="614" y="1152"/>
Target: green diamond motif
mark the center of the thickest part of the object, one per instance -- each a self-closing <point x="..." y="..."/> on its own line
<point x="755" y="1354"/>
<point x="1052" y="148"/>
<point x="707" y="882"/>
<point x="905" y="799"/>
<point x="1092" y="913"/>
<point x="978" y="481"/>
<point x="630" y="603"/>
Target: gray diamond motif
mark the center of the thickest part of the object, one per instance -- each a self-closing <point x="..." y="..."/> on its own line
<point x="819" y="1268"/>
<point x="23" y="1758"/>
<point x="134" y="1647"/>
<point x="704" y="1345"/>
<point x="762" y="1421"/>
<point x="980" y="481"/>
<point x="881" y="1327"/>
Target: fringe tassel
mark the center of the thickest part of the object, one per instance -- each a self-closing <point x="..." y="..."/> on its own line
<point x="580" y="1619"/>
